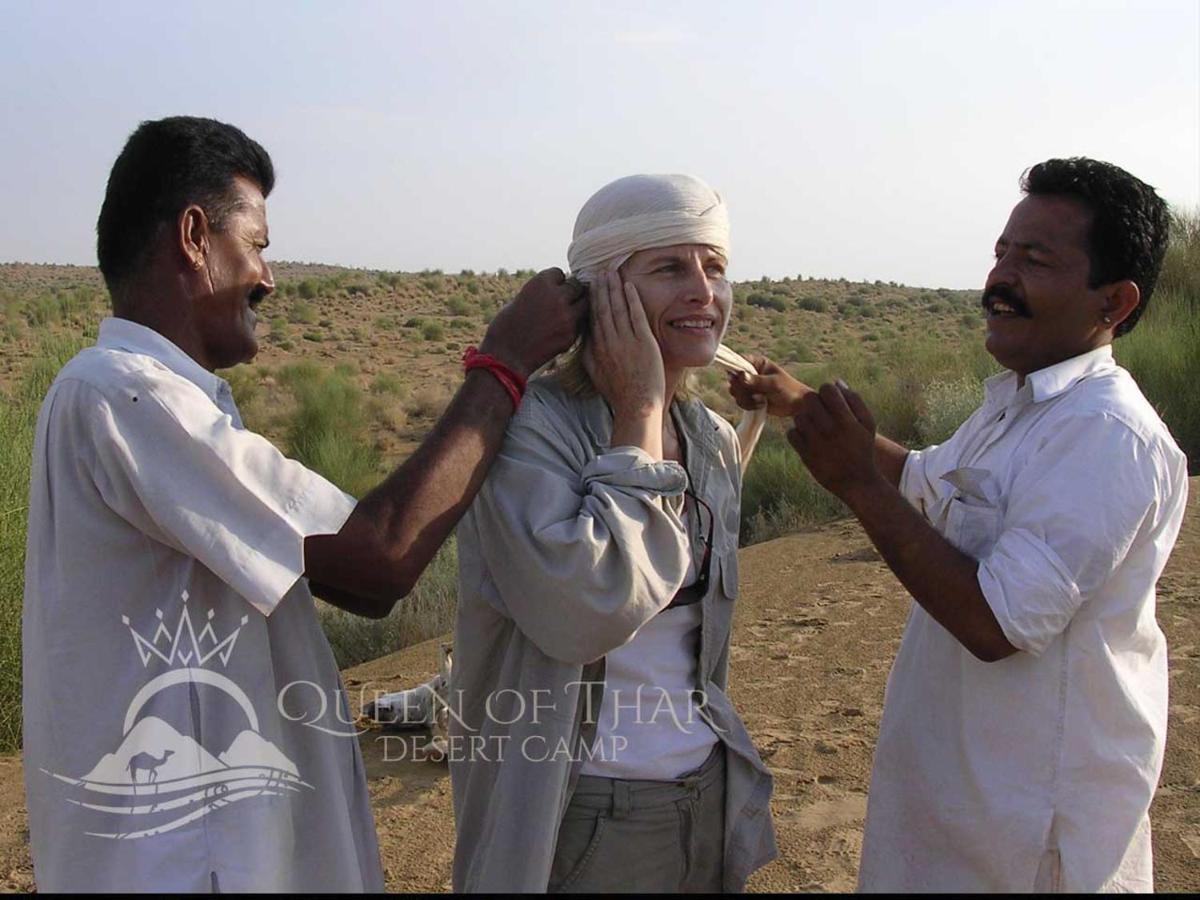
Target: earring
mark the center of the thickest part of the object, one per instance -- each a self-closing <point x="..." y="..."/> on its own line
<point x="197" y="263"/>
<point x="1106" y="319"/>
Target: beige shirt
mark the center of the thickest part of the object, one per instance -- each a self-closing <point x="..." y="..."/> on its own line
<point x="185" y="727"/>
<point x="567" y="551"/>
<point x="1038" y="769"/>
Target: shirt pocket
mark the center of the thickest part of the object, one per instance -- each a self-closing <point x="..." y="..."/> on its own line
<point x="973" y="528"/>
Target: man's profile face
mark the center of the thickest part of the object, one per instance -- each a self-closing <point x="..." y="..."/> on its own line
<point x="239" y="278"/>
<point x="1039" y="308"/>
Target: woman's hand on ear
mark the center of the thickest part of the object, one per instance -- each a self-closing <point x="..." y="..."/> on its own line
<point x="625" y="364"/>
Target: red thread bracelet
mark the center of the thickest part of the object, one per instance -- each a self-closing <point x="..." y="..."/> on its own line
<point x="513" y="383"/>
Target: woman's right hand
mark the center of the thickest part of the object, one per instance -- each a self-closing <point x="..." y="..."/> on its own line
<point x="625" y="365"/>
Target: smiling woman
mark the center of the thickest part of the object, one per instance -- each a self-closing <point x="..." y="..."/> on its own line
<point x="601" y="548"/>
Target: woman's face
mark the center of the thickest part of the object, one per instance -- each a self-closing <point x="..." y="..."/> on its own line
<point x="686" y="298"/>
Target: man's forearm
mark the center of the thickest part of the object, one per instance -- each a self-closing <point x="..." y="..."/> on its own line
<point x="396" y="529"/>
<point x="889" y="459"/>
<point x="940" y="577"/>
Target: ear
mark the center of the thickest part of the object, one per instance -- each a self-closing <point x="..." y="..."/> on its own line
<point x="193" y="236"/>
<point x="1121" y="299"/>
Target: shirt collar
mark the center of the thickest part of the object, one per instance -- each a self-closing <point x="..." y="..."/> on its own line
<point x="1050" y="382"/>
<point x="122" y="334"/>
<point x="1057" y="379"/>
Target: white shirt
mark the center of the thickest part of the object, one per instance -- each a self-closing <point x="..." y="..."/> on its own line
<point x="1039" y="768"/>
<point x="172" y="654"/>
<point x="650" y="725"/>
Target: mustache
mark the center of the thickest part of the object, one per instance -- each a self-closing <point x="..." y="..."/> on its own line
<point x="1005" y="294"/>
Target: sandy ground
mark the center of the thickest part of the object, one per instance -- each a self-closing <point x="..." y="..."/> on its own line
<point x="819" y="620"/>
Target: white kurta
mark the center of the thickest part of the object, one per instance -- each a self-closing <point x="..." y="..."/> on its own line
<point x="1037" y="770"/>
<point x="185" y="728"/>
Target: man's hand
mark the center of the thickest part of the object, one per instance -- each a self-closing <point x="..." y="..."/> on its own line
<point x="538" y="324"/>
<point x="772" y="386"/>
<point x="834" y="433"/>
<point x="625" y="364"/>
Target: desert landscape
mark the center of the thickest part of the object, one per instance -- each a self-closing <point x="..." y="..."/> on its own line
<point x="355" y="365"/>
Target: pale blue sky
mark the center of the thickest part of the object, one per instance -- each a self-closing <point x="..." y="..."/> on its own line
<point x="858" y="139"/>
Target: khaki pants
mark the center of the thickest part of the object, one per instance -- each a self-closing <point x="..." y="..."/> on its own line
<point x="650" y="836"/>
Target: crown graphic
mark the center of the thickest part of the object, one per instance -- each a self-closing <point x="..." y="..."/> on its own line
<point x="194" y="650"/>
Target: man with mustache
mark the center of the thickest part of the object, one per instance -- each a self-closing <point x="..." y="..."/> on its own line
<point x="173" y="555"/>
<point x="1025" y="715"/>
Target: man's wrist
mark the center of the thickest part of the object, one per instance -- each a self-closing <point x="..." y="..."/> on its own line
<point x="862" y="496"/>
<point x="508" y="357"/>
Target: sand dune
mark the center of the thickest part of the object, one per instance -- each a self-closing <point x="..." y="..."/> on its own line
<point x="819" y="620"/>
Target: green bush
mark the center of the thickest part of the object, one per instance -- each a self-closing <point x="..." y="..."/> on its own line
<point x="1163" y="351"/>
<point x="945" y="405"/>
<point x="327" y="431"/>
<point x="813" y="304"/>
<point x="18" y="419"/>
<point x="432" y="331"/>
<point x="767" y="301"/>
<point x="778" y="494"/>
<point x="388" y="383"/>
<point x="302" y="312"/>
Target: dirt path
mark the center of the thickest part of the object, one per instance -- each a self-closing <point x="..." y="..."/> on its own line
<point x="818" y="623"/>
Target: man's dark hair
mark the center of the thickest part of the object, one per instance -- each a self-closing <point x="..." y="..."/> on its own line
<point x="165" y="166"/>
<point x="1130" y="222"/>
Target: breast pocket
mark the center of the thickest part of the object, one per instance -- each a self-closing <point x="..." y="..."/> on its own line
<point x="973" y="529"/>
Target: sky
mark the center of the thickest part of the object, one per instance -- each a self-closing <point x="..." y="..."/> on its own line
<point x="865" y="140"/>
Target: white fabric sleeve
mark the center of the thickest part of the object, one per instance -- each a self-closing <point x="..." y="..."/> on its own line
<point x="1071" y="515"/>
<point x="170" y="462"/>
<point x="581" y="558"/>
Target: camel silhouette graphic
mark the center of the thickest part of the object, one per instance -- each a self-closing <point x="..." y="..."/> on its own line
<point x="149" y="762"/>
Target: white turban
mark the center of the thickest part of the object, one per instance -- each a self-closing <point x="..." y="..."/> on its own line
<point x="639" y="212"/>
<point x="643" y="211"/>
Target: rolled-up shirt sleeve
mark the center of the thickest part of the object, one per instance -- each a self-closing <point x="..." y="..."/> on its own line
<point x="1071" y="515"/>
<point x="582" y="553"/>
<point x="169" y="461"/>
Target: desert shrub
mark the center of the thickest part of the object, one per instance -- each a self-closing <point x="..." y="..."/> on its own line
<point x="792" y="350"/>
<point x="302" y="312"/>
<point x="458" y="305"/>
<point x="18" y="419"/>
<point x="1161" y="352"/>
<point x="813" y="304"/>
<point x="307" y="289"/>
<point x="388" y="383"/>
<point x="767" y="301"/>
<point x="430" y="401"/>
<point x="433" y="331"/>
<point x="778" y="494"/>
<point x="945" y="405"/>
<point x="327" y="431"/>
